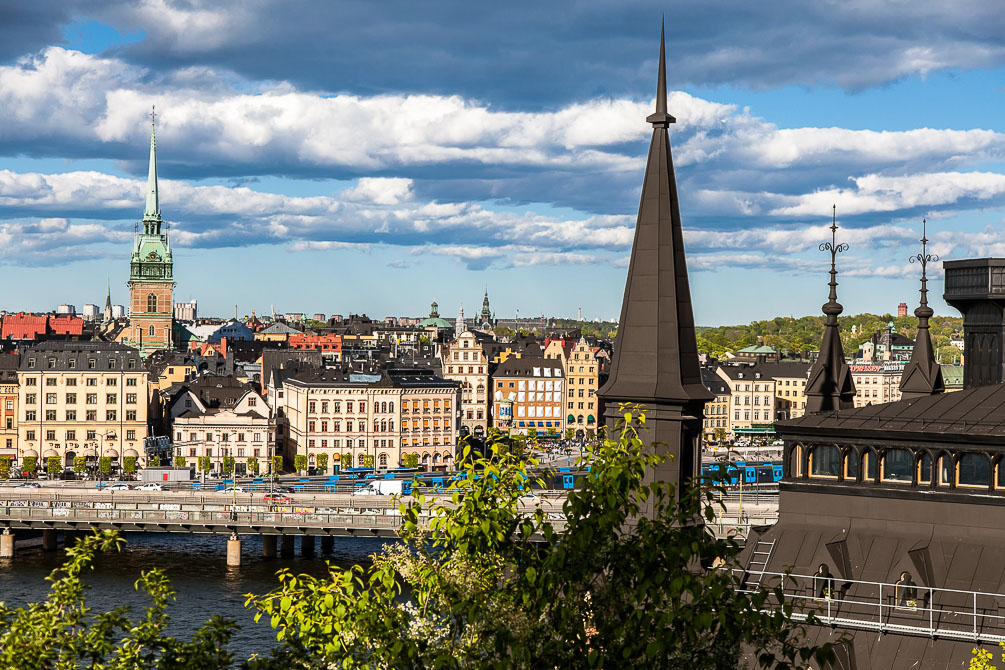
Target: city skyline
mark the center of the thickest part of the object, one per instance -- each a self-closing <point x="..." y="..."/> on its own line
<point x="341" y="171"/>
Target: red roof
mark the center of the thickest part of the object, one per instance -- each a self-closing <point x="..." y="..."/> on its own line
<point x="316" y="342"/>
<point x="66" y="325"/>
<point x="23" y="326"/>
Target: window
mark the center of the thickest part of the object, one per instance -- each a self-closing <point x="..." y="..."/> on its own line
<point x="91" y="363"/>
<point x="92" y="435"/>
<point x="92" y="399"/>
<point x="257" y="437"/>
<point x="111" y="398"/>
<point x="151" y="307"/>
<point x="71" y="398"/>
<point x="92" y="381"/>
<point x="945" y="470"/>
<point x="111" y="415"/>
<point x="50" y="415"/>
<point x="71" y="415"/>
<point x="71" y="435"/>
<point x="31" y="364"/>
<point x="91" y="415"/>
<point x="130" y="434"/>
<point x="925" y="469"/>
<point x="50" y="398"/>
<point x="51" y="381"/>
<point x="130" y="415"/>
<point x="131" y="381"/>
<point x="50" y="435"/>
<point x="825" y="461"/>
<point x="252" y="402"/>
<point x="312" y="407"/>
<point x="897" y="465"/>
<point x="130" y="398"/>
<point x="72" y="363"/>
<point x="29" y="399"/>
<point x="974" y="470"/>
<point x="870" y="465"/>
<point x="112" y="381"/>
<point x="29" y="435"/>
<point x="31" y="381"/>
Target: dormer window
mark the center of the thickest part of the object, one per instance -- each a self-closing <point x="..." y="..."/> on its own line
<point x="31" y="362"/>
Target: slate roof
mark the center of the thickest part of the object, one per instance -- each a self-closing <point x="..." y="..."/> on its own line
<point x="280" y="328"/>
<point x="524" y="367"/>
<point x="36" y="358"/>
<point x="713" y="382"/>
<point x="971" y="415"/>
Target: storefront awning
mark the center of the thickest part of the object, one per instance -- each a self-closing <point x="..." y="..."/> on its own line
<point x="760" y="430"/>
<point x="111" y="453"/>
<point x="131" y="453"/>
<point x="30" y="453"/>
<point x="51" y="453"/>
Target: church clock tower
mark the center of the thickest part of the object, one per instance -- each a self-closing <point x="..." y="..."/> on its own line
<point x="151" y="281"/>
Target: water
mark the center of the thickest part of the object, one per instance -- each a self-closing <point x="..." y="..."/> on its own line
<point x="196" y="566"/>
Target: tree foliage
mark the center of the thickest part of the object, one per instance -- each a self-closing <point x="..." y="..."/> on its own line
<point x="490" y="582"/>
<point x="300" y="462"/>
<point x="252" y="464"/>
<point x="129" y="464"/>
<point x="322" y="462"/>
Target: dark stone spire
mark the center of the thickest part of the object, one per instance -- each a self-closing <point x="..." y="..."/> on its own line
<point x="655" y="360"/>
<point x="923" y="375"/>
<point x="830" y="385"/>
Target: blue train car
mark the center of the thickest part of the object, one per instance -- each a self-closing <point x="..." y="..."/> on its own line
<point x="748" y="473"/>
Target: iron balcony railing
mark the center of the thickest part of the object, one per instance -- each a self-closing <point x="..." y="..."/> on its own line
<point x="907" y="609"/>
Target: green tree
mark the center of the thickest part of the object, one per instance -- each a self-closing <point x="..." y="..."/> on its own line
<point x="491" y="583"/>
<point x="410" y="461"/>
<point x="346" y="460"/>
<point x="300" y="463"/>
<point x="105" y="465"/>
<point x="227" y="465"/>
<point x="79" y="464"/>
<point x="129" y="465"/>
<point x="277" y="465"/>
<point x="365" y="461"/>
<point x="322" y="462"/>
<point x="52" y="465"/>
<point x="179" y="461"/>
<point x="5" y="463"/>
<point x="253" y="465"/>
<point x="29" y="464"/>
<point x="63" y="632"/>
<point x="204" y="464"/>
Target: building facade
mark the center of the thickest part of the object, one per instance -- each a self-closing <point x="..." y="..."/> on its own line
<point x="151" y="279"/>
<point x="8" y="405"/>
<point x="533" y="389"/>
<point x="82" y="399"/>
<point x="877" y="384"/>
<point x="752" y="399"/>
<point x="466" y="362"/>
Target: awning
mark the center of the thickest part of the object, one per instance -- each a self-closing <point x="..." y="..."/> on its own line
<point x="571" y="419"/>
<point x="89" y="452"/>
<point x="131" y="453"/>
<point x="30" y="453"/>
<point x="765" y="430"/>
<point x="51" y="453"/>
<point x="111" y="452"/>
<point x="590" y="419"/>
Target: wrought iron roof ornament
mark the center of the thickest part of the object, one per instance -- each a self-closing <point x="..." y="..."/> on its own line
<point x="923" y="374"/>
<point x="924" y="258"/>
<point x="833" y="307"/>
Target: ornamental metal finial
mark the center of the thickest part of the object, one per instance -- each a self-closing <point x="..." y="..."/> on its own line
<point x="832" y="308"/>
<point x="924" y="258"/>
<point x="153" y="115"/>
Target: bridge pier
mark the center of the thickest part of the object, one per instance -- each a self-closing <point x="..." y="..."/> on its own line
<point x="327" y="544"/>
<point x="233" y="551"/>
<point x="269" y="544"/>
<point x="7" y="544"/>
<point x="286" y="546"/>
<point x="307" y="546"/>
<point x="49" y="540"/>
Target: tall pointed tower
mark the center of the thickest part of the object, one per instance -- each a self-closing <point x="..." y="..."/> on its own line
<point x="923" y="375"/>
<point x="151" y="281"/>
<point x="486" y="315"/>
<point x="655" y="361"/>
<point x="108" y="303"/>
<point x="460" y="326"/>
<point x="830" y="385"/>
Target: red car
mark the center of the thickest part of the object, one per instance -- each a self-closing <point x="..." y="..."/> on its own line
<point x="277" y="498"/>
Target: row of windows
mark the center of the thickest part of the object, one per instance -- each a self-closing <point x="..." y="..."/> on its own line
<point x="92" y="363"/>
<point x="71" y="435"/>
<point x="220" y="437"/>
<point x="381" y="425"/>
<point x="757" y="415"/>
<point x="71" y="399"/>
<point x="256" y="452"/>
<point x="459" y="369"/>
<point x="589" y="405"/>
<point x="72" y="381"/>
<point x="901" y="466"/>
<point x="359" y="444"/>
<point x="71" y="415"/>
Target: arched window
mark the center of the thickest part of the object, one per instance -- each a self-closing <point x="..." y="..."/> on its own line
<point x="851" y="465"/>
<point x="152" y="331"/>
<point x="825" y="461"/>
<point x="795" y="461"/>
<point x="974" y="470"/>
<point x="925" y="470"/>
<point x="383" y="426"/>
<point x="897" y="465"/>
<point x="425" y="459"/>
<point x="390" y="406"/>
<point x="869" y="462"/>
<point x="945" y="470"/>
<point x="151" y="303"/>
<point x="390" y="424"/>
<point x="383" y="460"/>
<point x="436" y="458"/>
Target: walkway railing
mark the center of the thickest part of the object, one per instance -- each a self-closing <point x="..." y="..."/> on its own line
<point x="892" y="608"/>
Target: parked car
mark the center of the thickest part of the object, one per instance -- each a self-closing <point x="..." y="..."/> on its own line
<point x="234" y="489"/>
<point x="150" y="486"/>
<point x="277" y="498"/>
<point x="29" y="485"/>
<point x="120" y="486"/>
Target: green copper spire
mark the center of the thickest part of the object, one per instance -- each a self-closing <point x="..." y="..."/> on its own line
<point x="152" y="213"/>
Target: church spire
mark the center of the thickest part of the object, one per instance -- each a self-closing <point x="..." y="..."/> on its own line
<point x="655" y="359"/>
<point x="923" y="375"/>
<point x="830" y="384"/>
<point x="152" y="212"/>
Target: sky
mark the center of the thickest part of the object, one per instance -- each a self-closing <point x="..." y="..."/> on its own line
<point x="370" y="157"/>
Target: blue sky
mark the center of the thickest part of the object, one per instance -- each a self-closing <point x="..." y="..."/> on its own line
<point x="354" y="156"/>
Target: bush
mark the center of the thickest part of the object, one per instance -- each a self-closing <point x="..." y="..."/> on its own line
<point x="79" y="464"/>
<point x="299" y="462"/>
<point x="410" y="461"/>
<point x="227" y="465"/>
<point x="179" y="461"/>
<point x="252" y="465"/>
<point x="346" y="461"/>
<point x="322" y="462"/>
<point x="365" y="461"/>
<point x="277" y="465"/>
<point x="105" y="465"/>
<point x="5" y="464"/>
<point x="205" y="464"/>
<point x="129" y="465"/>
<point x="29" y="463"/>
<point x="52" y="465"/>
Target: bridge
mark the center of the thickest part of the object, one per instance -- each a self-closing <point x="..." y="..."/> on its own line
<point x="307" y="516"/>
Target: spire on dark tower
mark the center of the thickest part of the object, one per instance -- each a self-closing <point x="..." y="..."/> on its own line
<point x="923" y="375"/>
<point x="655" y="360"/>
<point x="830" y="385"/>
<point x="152" y="211"/>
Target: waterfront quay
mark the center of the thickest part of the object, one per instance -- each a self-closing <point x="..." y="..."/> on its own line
<point x="327" y="516"/>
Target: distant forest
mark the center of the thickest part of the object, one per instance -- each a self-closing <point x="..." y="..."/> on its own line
<point x="801" y="335"/>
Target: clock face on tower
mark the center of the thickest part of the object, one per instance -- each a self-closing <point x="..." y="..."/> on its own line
<point x="153" y="256"/>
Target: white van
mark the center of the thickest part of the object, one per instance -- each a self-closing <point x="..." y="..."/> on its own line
<point x="381" y="487"/>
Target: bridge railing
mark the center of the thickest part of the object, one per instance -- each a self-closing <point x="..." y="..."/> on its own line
<point x="890" y="608"/>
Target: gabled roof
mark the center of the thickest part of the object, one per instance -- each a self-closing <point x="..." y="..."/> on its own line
<point x="280" y="328"/>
